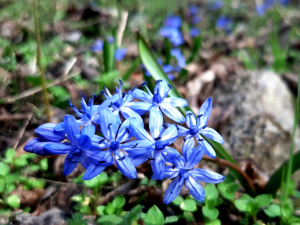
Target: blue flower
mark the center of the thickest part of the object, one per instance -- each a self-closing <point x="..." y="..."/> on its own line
<point x="193" y="10"/>
<point x="115" y="135"/>
<point x="173" y="34"/>
<point x="173" y="21"/>
<point x="158" y="103"/>
<point x="121" y="104"/>
<point x="183" y="172"/>
<point x="155" y="146"/>
<point x="194" y="32"/>
<point x="98" y="46"/>
<point x="110" y="39"/>
<point x="197" y="127"/>
<point x="196" y="19"/>
<point x="120" y="53"/>
<point x="225" y="23"/>
<point x="88" y="116"/>
<point x="166" y="68"/>
<point x="216" y="5"/>
<point x="36" y="145"/>
<point x="179" y="57"/>
<point x="79" y="149"/>
<point x="48" y="133"/>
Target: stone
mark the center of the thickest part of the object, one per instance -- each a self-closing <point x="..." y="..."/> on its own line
<point x="260" y="124"/>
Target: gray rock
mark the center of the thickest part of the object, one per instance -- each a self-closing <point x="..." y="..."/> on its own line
<point x="53" y="216"/>
<point x="261" y="120"/>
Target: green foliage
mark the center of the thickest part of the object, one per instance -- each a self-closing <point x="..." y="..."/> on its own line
<point x="13" y="201"/>
<point x="272" y="210"/>
<point x="154" y="216"/>
<point x="188" y="205"/>
<point x="77" y="219"/>
<point x="119" y="201"/>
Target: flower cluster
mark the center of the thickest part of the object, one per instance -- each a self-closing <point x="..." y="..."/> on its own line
<point x="114" y="133"/>
<point x="262" y="7"/>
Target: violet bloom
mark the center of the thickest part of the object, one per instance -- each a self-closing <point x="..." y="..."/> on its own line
<point x="98" y="46"/>
<point x="196" y="19"/>
<point x="183" y="172"/>
<point x="198" y="127"/>
<point x="179" y="57"/>
<point x="216" y="5"/>
<point x="193" y="10"/>
<point x="120" y="53"/>
<point x="173" y="34"/>
<point x="158" y="103"/>
<point x="173" y="21"/>
<point x="225" y="23"/>
<point x="194" y="32"/>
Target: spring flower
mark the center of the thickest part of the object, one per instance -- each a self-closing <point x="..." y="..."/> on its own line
<point x="115" y="135"/>
<point x="36" y="145"/>
<point x="197" y="127"/>
<point x="173" y="34"/>
<point x="79" y="149"/>
<point x="155" y="146"/>
<point x="173" y="21"/>
<point x="158" y="103"/>
<point x="225" y="23"/>
<point x="179" y="57"/>
<point x="194" y="32"/>
<point x="88" y="116"/>
<point x="120" y="53"/>
<point x="183" y="172"/>
<point x="98" y="46"/>
<point x="121" y="104"/>
<point x="196" y="19"/>
<point x="216" y="5"/>
<point x="193" y="10"/>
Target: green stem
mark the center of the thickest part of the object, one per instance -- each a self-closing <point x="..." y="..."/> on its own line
<point x="39" y="60"/>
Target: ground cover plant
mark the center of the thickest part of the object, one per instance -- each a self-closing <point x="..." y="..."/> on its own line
<point x="135" y="112"/>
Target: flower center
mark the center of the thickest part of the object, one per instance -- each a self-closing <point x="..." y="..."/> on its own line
<point x="118" y="103"/>
<point x="114" y="145"/>
<point x="194" y="130"/>
<point x="75" y="156"/>
<point x="156" y="98"/>
<point x="159" y="146"/>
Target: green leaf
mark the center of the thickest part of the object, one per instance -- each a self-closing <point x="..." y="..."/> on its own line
<point x="99" y="180"/>
<point x="13" y="201"/>
<point x="272" y="211"/>
<point x="119" y="202"/>
<point x="245" y="197"/>
<point x="263" y="200"/>
<point x="225" y="191"/>
<point x="188" y="216"/>
<point x="33" y="168"/>
<point x="100" y="210"/>
<point x="4" y="169"/>
<point x="211" y="192"/>
<point x="241" y="204"/>
<point x="44" y="164"/>
<point x="178" y="200"/>
<point x="33" y="80"/>
<point x="133" y="213"/>
<point x="77" y="219"/>
<point x="154" y="216"/>
<point x="286" y="211"/>
<point x="10" y="153"/>
<point x="108" y="56"/>
<point x="20" y="162"/>
<point x="2" y="184"/>
<point x="196" y="49"/>
<point x="296" y="194"/>
<point x="210" y="213"/>
<point x="10" y="187"/>
<point x="78" y="198"/>
<point x="213" y="222"/>
<point x="110" y="220"/>
<point x="102" y="178"/>
<point x="109" y="209"/>
<point x="188" y="205"/>
<point x="252" y="207"/>
<point x="171" y="219"/>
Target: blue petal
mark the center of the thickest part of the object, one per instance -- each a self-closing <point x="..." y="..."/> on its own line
<point x="179" y="57"/>
<point x="188" y="147"/>
<point x="182" y="131"/>
<point x="97" y="139"/>
<point x="170" y="132"/>
<point x="72" y="128"/>
<point x="120" y="53"/>
<point x="129" y="113"/>
<point x="47" y="132"/>
<point x="141" y="95"/>
<point x="60" y="127"/>
<point x="29" y="147"/>
<point x="92" y="171"/>
<point x="40" y="150"/>
<point x="137" y="146"/>
<point x="171" y="172"/>
<point x="205" y="111"/>
<point x="139" y="107"/>
<point x="125" y="165"/>
<point x="172" y="112"/>
<point x="69" y="166"/>
<point x="110" y="100"/>
<point x="208" y="149"/>
<point x="195" y="188"/>
<point x="190" y="119"/>
<point x="175" y="158"/>
<point x="170" y="152"/>
<point x="108" y="121"/>
<point x="207" y="176"/>
<point x="124" y="132"/>
<point x="176" y="102"/>
<point x="212" y="134"/>
<point x="173" y="21"/>
<point x="138" y="160"/>
<point x="156" y="122"/>
<point x="89" y="130"/>
<point x="139" y="132"/>
<point x="158" y="165"/>
<point x="84" y="142"/>
<point x="162" y="88"/>
<point x="58" y="148"/>
<point x="194" y="31"/>
<point x="172" y="191"/>
<point x="100" y="158"/>
<point x="195" y="157"/>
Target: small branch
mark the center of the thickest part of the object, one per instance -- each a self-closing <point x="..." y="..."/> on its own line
<point x="21" y="132"/>
<point x="24" y="94"/>
<point x="122" y="27"/>
<point x="122" y="190"/>
<point x="232" y="166"/>
<point x="18" y="116"/>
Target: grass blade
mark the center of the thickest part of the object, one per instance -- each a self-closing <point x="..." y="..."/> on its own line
<point x="135" y="64"/>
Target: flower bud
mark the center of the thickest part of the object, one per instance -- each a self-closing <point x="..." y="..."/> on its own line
<point x="47" y="133"/>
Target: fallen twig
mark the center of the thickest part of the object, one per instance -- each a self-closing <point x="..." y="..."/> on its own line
<point x="122" y="27"/>
<point x="19" y="116"/>
<point x="22" y="130"/>
<point x="24" y="94"/>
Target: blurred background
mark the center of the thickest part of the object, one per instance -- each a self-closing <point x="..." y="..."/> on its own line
<point x="243" y="54"/>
